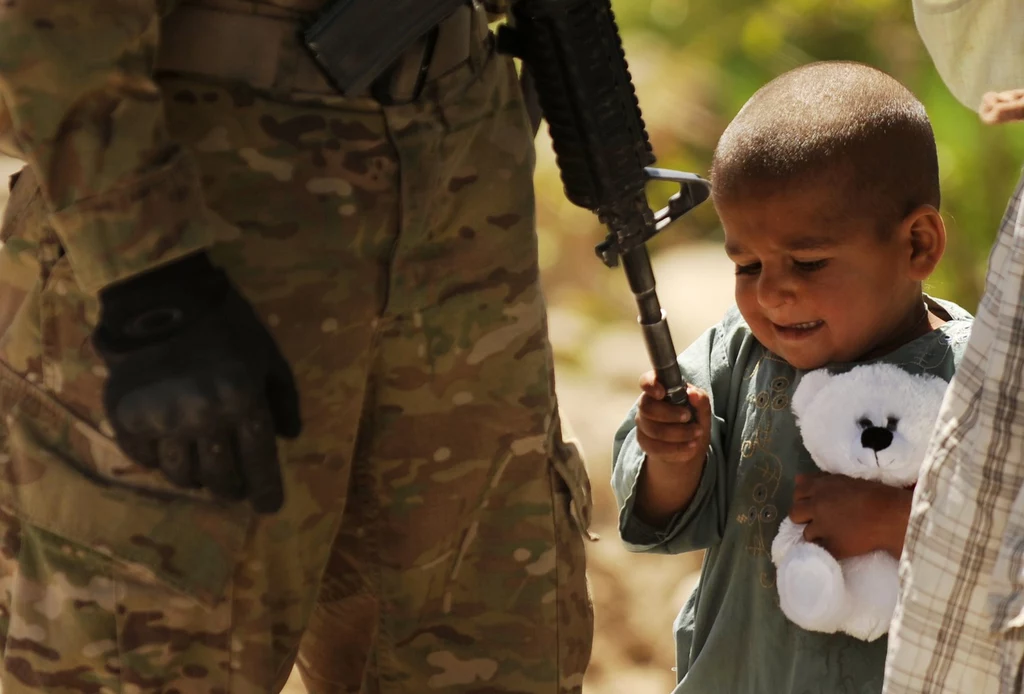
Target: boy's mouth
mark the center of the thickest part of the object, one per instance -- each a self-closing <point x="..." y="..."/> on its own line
<point x="798" y="330"/>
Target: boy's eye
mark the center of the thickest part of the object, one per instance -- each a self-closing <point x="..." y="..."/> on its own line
<point x="751" y="269"/>
<point x="809" y="265"/>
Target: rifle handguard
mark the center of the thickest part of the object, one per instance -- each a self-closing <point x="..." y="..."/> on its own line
<point x="573" y="50"/>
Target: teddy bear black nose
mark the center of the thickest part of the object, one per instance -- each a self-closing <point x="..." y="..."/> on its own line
<point x="876" y="438"/>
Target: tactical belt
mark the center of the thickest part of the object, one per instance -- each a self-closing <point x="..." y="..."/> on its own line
<point x="261" y="46"/>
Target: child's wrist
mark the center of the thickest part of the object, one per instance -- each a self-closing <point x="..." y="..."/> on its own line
<point x="666" y="488"/>
<point x="669" y="471"/>
<point x="893" y="517"/>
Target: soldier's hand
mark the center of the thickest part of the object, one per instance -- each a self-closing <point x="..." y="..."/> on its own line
<point x="197" y="386"/>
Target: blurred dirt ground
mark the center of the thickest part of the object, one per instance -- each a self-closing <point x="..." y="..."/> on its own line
<point x="598" y="361"/>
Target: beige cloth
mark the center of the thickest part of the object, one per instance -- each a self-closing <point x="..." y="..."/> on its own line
<point x="975" y="44"/>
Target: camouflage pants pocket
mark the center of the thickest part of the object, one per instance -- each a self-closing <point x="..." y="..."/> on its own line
<point x="572" y="512"/>
<point x="105" y="587"/>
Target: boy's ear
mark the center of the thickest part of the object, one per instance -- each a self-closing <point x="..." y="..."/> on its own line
<point x="926" y="233"/>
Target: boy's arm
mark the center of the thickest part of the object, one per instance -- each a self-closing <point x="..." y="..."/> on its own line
<point x="664" y="489"/>
<point x="78" y="103"/>
<point x="708" y="364"/>
<point x="692" y="526"/>
<point x="897" y="515"/>
<point x="827" y="503"/>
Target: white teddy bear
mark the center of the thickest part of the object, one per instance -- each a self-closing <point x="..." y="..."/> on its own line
<point x="872" y="422"/>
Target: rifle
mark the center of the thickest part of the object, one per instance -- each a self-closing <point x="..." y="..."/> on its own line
<point x="573" y="52"/>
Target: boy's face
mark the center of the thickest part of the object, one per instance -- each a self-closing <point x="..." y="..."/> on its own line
<point x="816" y="283"/>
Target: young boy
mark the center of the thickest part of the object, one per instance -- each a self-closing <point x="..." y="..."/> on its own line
<point x="827" y="186"/>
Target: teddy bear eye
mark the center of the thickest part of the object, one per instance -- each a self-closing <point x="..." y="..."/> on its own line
<point x="891" y="423"/>
<point x="864" y="423"/>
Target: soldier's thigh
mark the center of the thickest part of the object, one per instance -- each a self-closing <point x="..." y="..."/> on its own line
<point x="475" y="505"/>
<point x="463" y="569"/>
<point x="110" y="576"/>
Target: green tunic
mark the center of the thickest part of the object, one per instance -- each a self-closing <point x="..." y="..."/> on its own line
<point x="731" y="636"/>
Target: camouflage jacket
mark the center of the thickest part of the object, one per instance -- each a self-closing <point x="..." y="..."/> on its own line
<point x="79" y="104"/>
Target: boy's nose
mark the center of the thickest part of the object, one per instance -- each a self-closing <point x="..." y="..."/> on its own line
<point x="772" y="291"/>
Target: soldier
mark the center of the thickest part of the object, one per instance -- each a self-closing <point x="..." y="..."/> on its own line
<point x="207" y="240"/>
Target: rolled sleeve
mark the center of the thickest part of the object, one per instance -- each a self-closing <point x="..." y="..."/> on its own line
<point x="685" y="531"/>
<point x="154" y="219"/>
<point x="81" y="108"/>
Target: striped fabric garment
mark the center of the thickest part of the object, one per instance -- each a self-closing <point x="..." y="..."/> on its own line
<point x="960" y="623"/>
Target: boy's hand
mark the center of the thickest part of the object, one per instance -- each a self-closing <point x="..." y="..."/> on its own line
<point x="665" y="432"/>
<point x="676" y="448"/>
<point x="850" y="517"/>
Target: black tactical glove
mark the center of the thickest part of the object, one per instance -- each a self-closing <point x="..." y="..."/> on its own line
<point x="197" y="385"/>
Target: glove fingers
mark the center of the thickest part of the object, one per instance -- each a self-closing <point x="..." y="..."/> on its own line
<point x="177" y="460"/>
<point x="140" y="414"/>
<point x="283" y="397"/>
<point x="257" y="450"/>
<point x="218" y="459"/>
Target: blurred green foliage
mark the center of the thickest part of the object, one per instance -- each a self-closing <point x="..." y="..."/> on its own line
<point x="695" y="63"/>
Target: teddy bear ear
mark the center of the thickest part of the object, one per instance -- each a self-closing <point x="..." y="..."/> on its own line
<point x="933" y="391"/>
<point x="811" y="383"/>
<point x="935" y="386"/>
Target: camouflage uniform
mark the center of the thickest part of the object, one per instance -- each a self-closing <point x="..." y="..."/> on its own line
<point x="432" y="535"/>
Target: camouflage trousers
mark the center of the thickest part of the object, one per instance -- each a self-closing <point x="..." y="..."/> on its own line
<point x="433" y="531"/>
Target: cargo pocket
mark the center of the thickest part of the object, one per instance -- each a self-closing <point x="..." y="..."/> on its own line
<point x="573" y="509"/>
<point x="60" y="471"/>
<point x="60" y="475"/>
<point x="573" y="481"/>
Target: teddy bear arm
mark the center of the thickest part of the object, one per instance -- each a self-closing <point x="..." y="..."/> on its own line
<point x="790" y="535"/>
<point x="809" y="581"/>
<point x="812" y="593"/>
<point x="872" y="587"/>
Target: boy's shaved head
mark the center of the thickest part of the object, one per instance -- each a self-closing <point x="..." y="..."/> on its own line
<point x="843" y="124"/>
